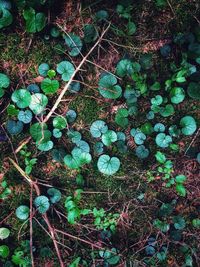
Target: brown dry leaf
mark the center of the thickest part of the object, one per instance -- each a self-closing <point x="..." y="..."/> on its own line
<point x="154" y="45"/>
<point x="38" y="79"/>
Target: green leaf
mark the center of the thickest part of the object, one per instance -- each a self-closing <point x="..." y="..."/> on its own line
<point x="12" y="110"/>
<point x="34" y="22"/>
<point x="198" y="157"/>
<point x="179" y="222"/>
<point x="174" y="131"/>
<point x="25" y="116"/>
<point x="75" y="262"/>
<point x="107" y="165"/>
<point x="196" y="223"/>
<point x="163" y="140"/>
<point x="45" y="146"/>
<point x="57" y="133"/>
<point x="6" y="18"/>
<point x="49" y="86"/>
<point x="55" y="195"/>
<point x="108" y="87"/>
<point x="59" y="122"/>
<point x="74" y="44"/>
<point x="43" y="69"/>
<point x="98" y="148"/>
<point x="177" y="95"/>
<point x="142" y="152"/>
<point x="139" y="138"/>
<point x="4" y="83"/>
<point x="109" y="137"/>
<point x="4" y="233"/>
<point x="39" y="131"/>
<point x="22" y="212"/>
<point x="66" y="69"/>
<point x="75" y="136"/>
<point x="180" y="178"/>
<point x="194" y="90"/>
<point x="157" y="100"/>
<point x="98" y="128"/>
<point x="83" y="146"/>
<point x="4" y="251"/>
<point x="101" y="15"/>
<point x="159" y="127"/>
<point x="167" y="111"/>
<point x="21" y="97"/>
<point x="90" y="33"/>
<point x="121" y="117"/>
<point x="163" y="226"/>
<point x="160" y="157"/>
<point x="38" y="103"/>
<point x="77" y="159"/>
<point x="146" y="61"/>
<point x="188" y="125"/>
<point x="147" y="128"/>
<point x="131" y="28"/>
<point x="14" y="127"/>
<point x="126" y="67"/>
<point x="181" y="190"/>
<point x="71" y="115"/>
<point x="42" y="204"/>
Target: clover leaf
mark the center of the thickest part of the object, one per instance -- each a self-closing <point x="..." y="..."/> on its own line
<point x="25" y="116"/>
<point x="38" y="103"/>
<point x="98" y="128"/>
<point x="21" y="97"/>
<point x="108" y="165"/>
<point x="49" y="86"/>
<point x="42" y="204"/>
<point x="22" y="212"/>
<point x="163" y="140"/>
<point x="188" y="125"/>
<point x="66" y="69"/>
<point x="108" y="87"/>
<point x="109" y="137"/>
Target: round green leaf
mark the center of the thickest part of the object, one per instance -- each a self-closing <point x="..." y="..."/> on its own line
<point x="163" y="140"/>
<point x="90" y="33"/>
<point x="43" y="69"/>
<point x="74" y="44"/>
<point x="98" y="148"/>
<point x="188" y="125"/>
<point x="25" y="116"/>
<point x="42" y="204"/>
<point x="4" y="251"/>
<point x="142" y="152"/>
<point x="139" y="138"/>
<point x="167" y="111"/>
<point x="194" y="90"/>
<point x="45" y="146"/>
<point x="108" y="87"/>
<point x="66" y="69"/>
<point x="38" y="103"/>
<point x="21" y="97"/>
<point x="159" y="127"/>
<point x="14" y="127"/>
<point x="71" y="115"/>
<point x="59" y="122"/>
<point x="98" y="128"/>
<point x="57" y="133"/>
<point x="49" y="86"/>
<point x="4" y="81"/>
<point x="107" y="165"/>
<point x="177" y="95"/>
<point x="157" y="100"/>
<point x="4" y="233"/>
<point x="22" y="212"/>
<point x="55" y="195"/>
<point x="109" y="137"/>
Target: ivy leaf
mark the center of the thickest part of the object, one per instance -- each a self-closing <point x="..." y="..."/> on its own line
<point x="147" y="128"/>
<point x="163" y="140"/>
<point x="159" y="127"/>
<point x="14" y="127"/>
<point x="98" y="148"/>
<point x="126" y="67"/>
<point x="74" y="87"/>
<point x="74" y="44"/>
<point x="157" y="100"/>
<point x="38" y="103"/>
<point x="39" y="131"/>
<point x="4" y="83"/>
<point x="167" y="111"/>
<point x="98" y="128"/>
<point x="108" y="165"/>
<point x="45" y="146"/>
<point x="188" y="125"/>
<point x="131" y="28"/>
<point x="57" y="133"/>
<point x="42" y="204"/>
<point x="121" y="117"/>
<point x="109" y="137"/>
<point x="25" y="116"/>
<point x="108" y="87"/>
<point x="6" y="17"/>
<point x="59" y="122"/>
<point x="71" y="115"/>
<point x="75" y="136"/>
<point x="83" y="146"/>
<point x="33" y="88"/>
<point x="194" y="90"/>
<point x="4" y="233"/>
<point x="90" y="33"/>
<point x="163" y="226"/>
<point x="181" y="190"/>
<point x="21" y="97"/>
<point x="22" y="212"/>
<point x="58" y="154"/>
<point x="55" y="195"/>
<point x="66" y="69"/>
<point x="49" y="86"/>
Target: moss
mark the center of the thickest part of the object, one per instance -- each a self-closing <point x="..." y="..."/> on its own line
<point x="88" y="109"/>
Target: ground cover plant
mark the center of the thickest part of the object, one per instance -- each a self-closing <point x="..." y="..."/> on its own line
<point x="99" y="133"/>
